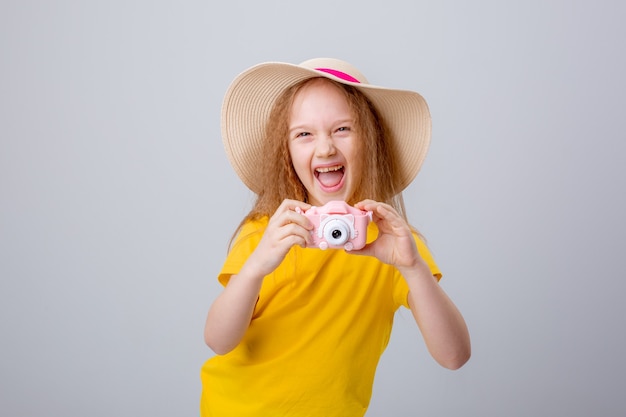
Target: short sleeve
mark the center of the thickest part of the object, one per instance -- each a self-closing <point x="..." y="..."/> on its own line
<point x="427" y="256"/>
<point x="401" y="288"/>
<point x="244" y="244"/>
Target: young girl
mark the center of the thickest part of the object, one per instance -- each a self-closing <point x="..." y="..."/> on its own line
<point x="298" y="331"/>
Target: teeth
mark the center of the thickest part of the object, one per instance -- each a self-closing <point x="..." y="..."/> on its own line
<point x="329" y="169"/>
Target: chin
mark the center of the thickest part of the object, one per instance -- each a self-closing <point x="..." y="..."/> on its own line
<point x="320" y="201"/>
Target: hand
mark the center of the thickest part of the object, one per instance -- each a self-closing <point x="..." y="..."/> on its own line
<point x="286" y="228"/>
<point x="442" y="325"/>
<point x="395" y="244"/>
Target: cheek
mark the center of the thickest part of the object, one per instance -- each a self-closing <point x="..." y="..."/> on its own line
<point x="357" y="154"/>
<point x="298" y="161"/>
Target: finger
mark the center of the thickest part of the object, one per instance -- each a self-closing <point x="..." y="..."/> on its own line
<point x="292" y="205"/>
<point x="294" y="229"/>
<point x="387" y="218"/>
<point x="390" y="220"/>
<point x="290" y="211"/>
<point x="365" y="204"/>
<point x="279" y="240"/>
<point x="373" y="206"/>
<point x="297" y="218"/>
<point x="379" y="210"/>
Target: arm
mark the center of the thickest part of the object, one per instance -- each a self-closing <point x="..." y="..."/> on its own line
<point x="231" y="312"/>
<point x="442" y="326"/>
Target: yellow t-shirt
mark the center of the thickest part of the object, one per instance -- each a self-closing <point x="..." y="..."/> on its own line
<point x="321" y="323"/>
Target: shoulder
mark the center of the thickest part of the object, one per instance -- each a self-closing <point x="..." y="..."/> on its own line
<point x="246" y="240"/>
<point x="255" y="225"/>
<point x="427" y="255"/>
<point x="249" y="230"/>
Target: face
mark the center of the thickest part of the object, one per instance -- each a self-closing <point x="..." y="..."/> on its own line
<point x="323" y="142"/>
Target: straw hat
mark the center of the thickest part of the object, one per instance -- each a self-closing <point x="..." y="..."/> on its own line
<point x="250" y="97"/>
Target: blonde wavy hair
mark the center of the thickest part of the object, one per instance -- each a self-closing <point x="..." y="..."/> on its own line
<point x="280" y="181"/>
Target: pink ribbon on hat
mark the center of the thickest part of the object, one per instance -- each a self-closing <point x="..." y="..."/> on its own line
<point x="339" y="74"/>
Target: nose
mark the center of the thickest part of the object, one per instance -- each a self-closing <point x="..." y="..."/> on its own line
<point x="325" y="146"/>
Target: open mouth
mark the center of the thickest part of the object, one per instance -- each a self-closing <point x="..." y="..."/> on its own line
<point x="330" y="177"/>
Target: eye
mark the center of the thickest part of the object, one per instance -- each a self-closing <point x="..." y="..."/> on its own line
<point x="298" y="134"/>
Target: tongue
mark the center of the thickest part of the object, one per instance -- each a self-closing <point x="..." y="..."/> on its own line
<point x="330" y="179"/>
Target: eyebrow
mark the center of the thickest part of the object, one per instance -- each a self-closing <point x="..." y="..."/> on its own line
<point x="338" y="122"/>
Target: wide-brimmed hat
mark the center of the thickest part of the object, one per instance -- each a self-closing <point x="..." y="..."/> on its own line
<point x="251" y="96"/>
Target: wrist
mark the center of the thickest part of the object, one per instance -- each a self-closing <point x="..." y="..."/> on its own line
<point x="417" y="270"/>
<point x="253" y="271"/>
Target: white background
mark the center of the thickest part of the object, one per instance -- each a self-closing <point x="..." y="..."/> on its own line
<point x="117" y="201"/>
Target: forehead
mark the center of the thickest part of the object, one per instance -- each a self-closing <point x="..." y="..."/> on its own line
<point x="320" y="93"/>
<point x="320" y="83"/>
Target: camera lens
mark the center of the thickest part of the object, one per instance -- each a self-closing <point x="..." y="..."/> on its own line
<point x="336" y="232"/>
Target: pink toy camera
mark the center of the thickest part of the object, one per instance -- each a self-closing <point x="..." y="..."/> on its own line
<point x="338" y="225"/>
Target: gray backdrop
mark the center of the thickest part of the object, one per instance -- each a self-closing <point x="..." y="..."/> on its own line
<point x="117" y="201"/>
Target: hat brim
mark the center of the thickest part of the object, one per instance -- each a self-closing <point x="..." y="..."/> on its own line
<point x="249" y="100"/>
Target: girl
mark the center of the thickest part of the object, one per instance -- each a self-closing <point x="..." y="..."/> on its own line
<point x="299" y="331"/>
